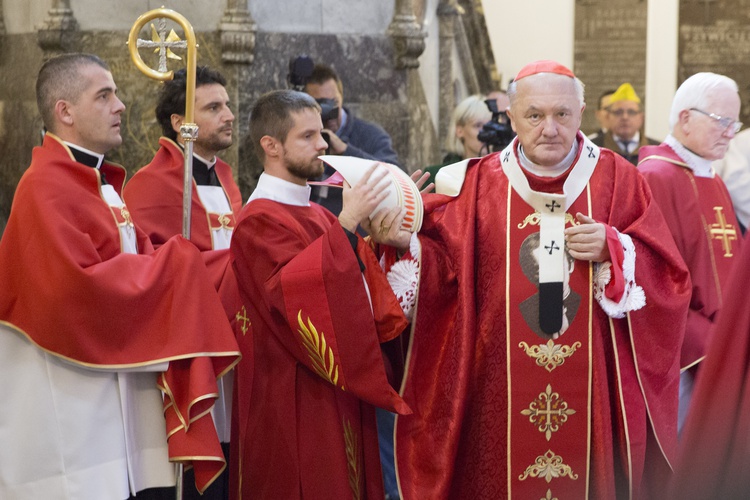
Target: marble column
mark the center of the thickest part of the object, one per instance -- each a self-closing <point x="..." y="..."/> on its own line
<point x="448" y="16"/>
<point x="407" y="35"/>
<point x="57" y="34"/>
<point x="2" y="19"/>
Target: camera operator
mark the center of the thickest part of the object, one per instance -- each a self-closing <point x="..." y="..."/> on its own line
<point x="497" y="133"/>
<point x="479" y="126"/>
<point x="345" y="133"/>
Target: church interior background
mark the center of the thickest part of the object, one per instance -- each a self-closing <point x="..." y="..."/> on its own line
<point x="404" y="63"/>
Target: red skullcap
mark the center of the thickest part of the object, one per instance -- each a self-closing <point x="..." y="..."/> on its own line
<point x="543" y="67"/>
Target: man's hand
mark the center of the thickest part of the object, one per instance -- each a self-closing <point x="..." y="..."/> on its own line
<point x="385" y="228"/>
<point x="335" y="145"/>
<point x="361" y="199"/>
<point x="588" y="240"/>
<point x="420" y="179"/>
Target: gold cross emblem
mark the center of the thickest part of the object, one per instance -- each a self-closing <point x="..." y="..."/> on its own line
<point x="720" y="230"/>
<point x="224" y="220"/>
<point x="242" y="318"/>
<point x="549" y="411"/>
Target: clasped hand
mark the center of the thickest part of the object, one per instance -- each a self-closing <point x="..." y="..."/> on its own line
<point x="587" y="240"/>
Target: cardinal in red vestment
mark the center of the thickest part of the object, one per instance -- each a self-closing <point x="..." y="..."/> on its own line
<point x="544" y="358"/>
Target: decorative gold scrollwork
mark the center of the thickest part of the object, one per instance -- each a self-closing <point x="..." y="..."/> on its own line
<point x="535" y="218"/>
<point x="549" y="355"/>
<point x="548" y="467"/>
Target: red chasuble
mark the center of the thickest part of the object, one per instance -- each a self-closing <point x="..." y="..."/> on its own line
<point x="715" y="442"/>
<point x="67" y="286"/>
<point x="309" y="426"/>
<point x="699" y="213"/>
<point x="502" y="409"/>
<point x="154" y="198"/>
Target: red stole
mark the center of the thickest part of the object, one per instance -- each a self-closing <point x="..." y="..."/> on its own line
<point x="548" y="407"/>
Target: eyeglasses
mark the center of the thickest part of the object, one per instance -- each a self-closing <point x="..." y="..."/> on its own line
<point x="723" y="121"/>
<point x="620" y="112"/>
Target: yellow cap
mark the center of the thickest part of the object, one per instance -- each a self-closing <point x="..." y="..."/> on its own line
<point x="625" y="92"/>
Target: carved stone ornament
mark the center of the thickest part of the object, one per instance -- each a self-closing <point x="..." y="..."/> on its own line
<point x="237" y="30"/>
<point x="2" y="19"/>
<point x="57" y="32"/>
<point x="407" y="35"/>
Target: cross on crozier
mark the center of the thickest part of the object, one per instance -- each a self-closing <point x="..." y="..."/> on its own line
<point x="163" y="43"/>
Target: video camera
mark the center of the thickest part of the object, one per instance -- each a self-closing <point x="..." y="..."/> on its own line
<point x="496" y="133"/>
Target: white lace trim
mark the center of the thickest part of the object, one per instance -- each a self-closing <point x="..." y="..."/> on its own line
<point x="634" y="297"/>
<point x="404" y="277"/>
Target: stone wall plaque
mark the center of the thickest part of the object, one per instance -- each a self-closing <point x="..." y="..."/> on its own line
<point x="610" y="49"/>
<point x="715" y="36"/>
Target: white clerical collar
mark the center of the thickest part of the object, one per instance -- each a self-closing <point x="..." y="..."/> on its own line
<point x="209" y="164"/>
<point x="552" y="171"/>
<point x="198" y="157"/>
<point x="97" y="158"/>
<point x="700" y="166"/>
<point x="277" y="189"/>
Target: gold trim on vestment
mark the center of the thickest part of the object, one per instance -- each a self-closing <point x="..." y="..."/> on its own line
<point x="509" y="417"/>
<point x="125" y="366"/>
<point x="709" y="238"/>
<point x="620" y="396"/>
<point x="643" y="392"/>
<point x="204" y="459"/>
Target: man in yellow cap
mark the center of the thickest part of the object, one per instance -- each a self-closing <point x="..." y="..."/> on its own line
<point x="544" y="356"/>
<point x="626" y="122"/>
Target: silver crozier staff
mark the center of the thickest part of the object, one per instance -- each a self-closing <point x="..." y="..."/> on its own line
<point x="189" y="130"/>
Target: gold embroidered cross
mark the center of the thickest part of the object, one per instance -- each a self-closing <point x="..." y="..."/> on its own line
<point x="224" y="220"/>
<point x="242" y="318"/>
<point x="720" y="230"/>
<point x="549" y="411"/>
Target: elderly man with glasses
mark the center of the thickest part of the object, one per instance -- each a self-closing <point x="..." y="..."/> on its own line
<point x="625" y="121"/>
<point x="696" y="204"/>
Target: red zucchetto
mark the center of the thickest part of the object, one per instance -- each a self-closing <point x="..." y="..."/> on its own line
<point x="543" y="67"/>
